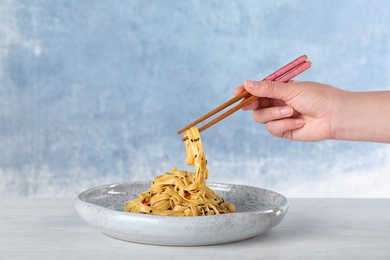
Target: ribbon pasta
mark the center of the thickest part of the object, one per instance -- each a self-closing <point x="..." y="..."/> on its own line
<point x="182" y="193"/>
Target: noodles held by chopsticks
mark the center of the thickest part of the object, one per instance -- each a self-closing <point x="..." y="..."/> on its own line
<point x="182" y="193"/>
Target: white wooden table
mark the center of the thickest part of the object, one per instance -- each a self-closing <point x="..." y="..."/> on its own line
<point x="49" y="228"/>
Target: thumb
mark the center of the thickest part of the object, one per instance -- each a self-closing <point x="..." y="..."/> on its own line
<point x="269" y="89"/>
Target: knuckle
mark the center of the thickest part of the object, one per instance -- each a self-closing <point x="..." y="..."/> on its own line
<point x="269" y="85"/>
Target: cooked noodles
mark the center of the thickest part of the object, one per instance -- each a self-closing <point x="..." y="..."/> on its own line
<point x="182" y="193"/>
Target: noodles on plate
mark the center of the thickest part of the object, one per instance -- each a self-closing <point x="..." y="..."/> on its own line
<point x="182" y="193"/>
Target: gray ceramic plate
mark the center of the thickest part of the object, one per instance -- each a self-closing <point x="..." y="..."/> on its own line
<point x="258" y="210"/>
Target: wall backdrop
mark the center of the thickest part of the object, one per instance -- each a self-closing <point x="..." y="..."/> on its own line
<point x="93" y="92"/>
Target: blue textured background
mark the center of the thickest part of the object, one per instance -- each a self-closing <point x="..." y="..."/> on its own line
<point x="93" y="92"/>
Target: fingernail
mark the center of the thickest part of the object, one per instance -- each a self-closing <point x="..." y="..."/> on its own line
<point x="286" y="111"/>
<point x="251" y="84"/>
<point x="299" y="121"/>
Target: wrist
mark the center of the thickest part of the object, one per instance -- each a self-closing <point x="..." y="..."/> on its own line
<point x="363" y="116"/>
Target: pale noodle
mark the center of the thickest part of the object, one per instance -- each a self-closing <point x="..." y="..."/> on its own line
<point x="182" y="193"/>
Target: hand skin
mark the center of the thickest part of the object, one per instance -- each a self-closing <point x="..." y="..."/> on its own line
<point x="310" y="111"/>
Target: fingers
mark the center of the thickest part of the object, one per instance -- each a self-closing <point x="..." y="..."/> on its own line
<point x="265" y="115"/>
<point x="269" y="89"/>
<point x="238" y="90"/>
<point x="284" y="128"/>
<point x="251" y="106"/>
<point x="278" y="120"/>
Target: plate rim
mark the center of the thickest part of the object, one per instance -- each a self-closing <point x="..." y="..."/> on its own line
<point x="284" y="199"/>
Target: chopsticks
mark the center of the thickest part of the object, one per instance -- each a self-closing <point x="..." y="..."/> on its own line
<point x="284" y="74"/>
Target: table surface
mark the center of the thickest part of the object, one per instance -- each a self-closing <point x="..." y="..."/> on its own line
<point x="49" y="228"/>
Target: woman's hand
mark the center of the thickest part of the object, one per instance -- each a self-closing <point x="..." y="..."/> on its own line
<point x="301" y="111"/>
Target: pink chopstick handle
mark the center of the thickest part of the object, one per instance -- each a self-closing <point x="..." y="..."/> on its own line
<point x="287" y="68"/>
<point x="298" y="70"/>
